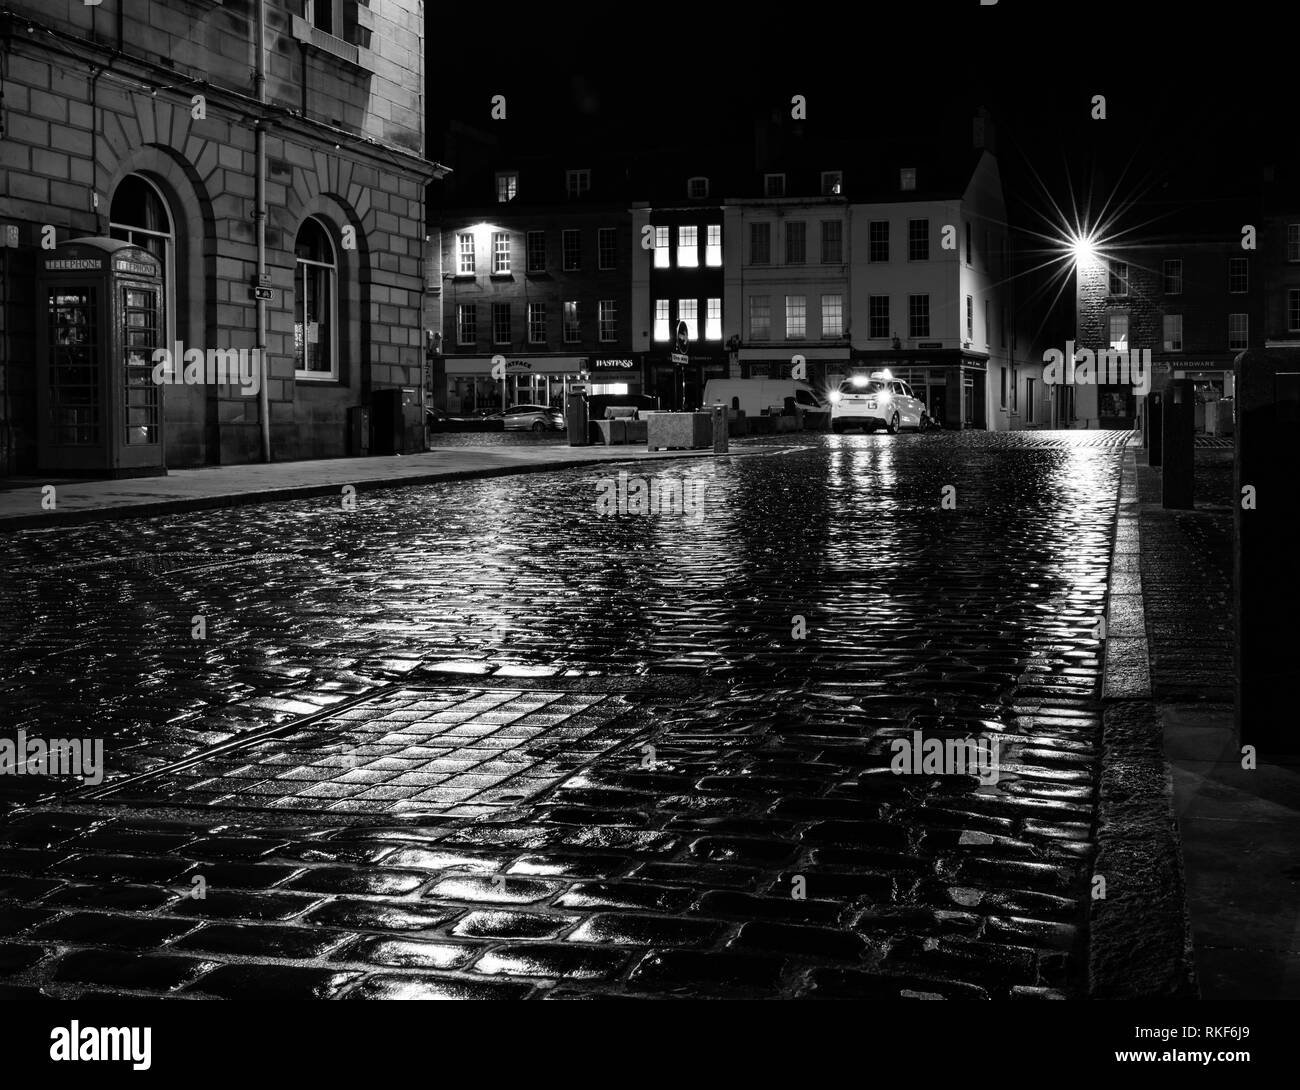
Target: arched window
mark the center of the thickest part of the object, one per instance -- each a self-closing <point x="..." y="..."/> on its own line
<point x="315" y="304"/>
<point x="139" y="215"/>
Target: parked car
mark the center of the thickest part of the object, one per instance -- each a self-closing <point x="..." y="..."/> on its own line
<point x="876" y="401"/>
<point x="534" y="418"/>
<point x="756" y="395"/>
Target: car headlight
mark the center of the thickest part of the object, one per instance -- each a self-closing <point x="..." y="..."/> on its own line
<point x="835" y="397"/>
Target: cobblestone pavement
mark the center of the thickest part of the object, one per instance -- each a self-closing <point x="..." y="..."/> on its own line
<point x="473" y="740"/>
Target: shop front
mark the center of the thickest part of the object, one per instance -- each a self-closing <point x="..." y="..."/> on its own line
<point x="1213" y="387"/>
<point x="680" y="386"/>
<point x="473" y="386"/>
<point x="615" y="375"/>
<point x="952" y="386"/>
<point x="823" y="368"/>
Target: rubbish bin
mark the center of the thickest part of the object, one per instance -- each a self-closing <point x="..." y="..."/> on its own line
<point x="575" y="414"/>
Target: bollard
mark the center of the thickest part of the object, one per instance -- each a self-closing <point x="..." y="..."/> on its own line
<point x="1154" y="437"/>
<point x="1178" y="472"/>
<point x="576" y="419"/>
<point x="720" y="436"/>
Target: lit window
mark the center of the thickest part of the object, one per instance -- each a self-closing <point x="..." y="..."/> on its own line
<point x="1173" y="330"/>
<point x="500" y="253"/>
<point x="796" y="243"/>
<point x="697" y="188"/>
<point x="571" y="333"/>
<point x="918" y="315"/>
<point x="465" y="244"/>
<point x="467" y="323"/>
<point x="315" y="303"/>
<point x="688" y="312"/>
<point x="832" y="242"/>
<point x="661" y="247"/>
<point x="878" y="309"/>
<point x="713" y="320"/>
<point x="796" y="317"/>
<point x="713" y="245"/>
<point x="918" y="240"/>
<point x="1238" y="275"/>
<point x="661" y="319"/>
<point x="878" y="240"/>
<point x="1238" y="331"/>
<point x="1173" y="277"/>
<point x="608" y="320"/>
<point x="1118" y="278"/>
<point x="760" y="243"/>
<point x="688" y="247"/>
<point x="537" y="323"/>
<point x="832" y="183"/>
<point x="536" y="251"/>
<point x="607" y="247"/>
<point x="773" y="185"/>
<point x="577" y="182"/>
<point x="571" y="247"/>
<point x="1118" y="338"/>
<point x="832" y="316"/>
<point x="907" y="178"/>
<point x="500" y="323"/>
<point x="507" y="186"/>
<point x="760" y="317"/>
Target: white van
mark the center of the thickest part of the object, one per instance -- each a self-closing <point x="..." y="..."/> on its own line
<point x="754" y="395"/>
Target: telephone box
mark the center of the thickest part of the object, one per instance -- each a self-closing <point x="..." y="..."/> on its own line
<point x="100" y="317"/>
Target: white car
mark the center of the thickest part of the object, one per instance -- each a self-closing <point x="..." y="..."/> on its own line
<point x="878" y="401"/>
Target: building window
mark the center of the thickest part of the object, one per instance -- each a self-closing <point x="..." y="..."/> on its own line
<point x="773" y="185"/>
<point x="607" y="247"/>
<point x="1004" y="374"/>
<point x="465" y="250"/>
<point x="1118" y="338"/>
<point x="661" y="319"/>
<point x="1029" y="401"/>
<point x="140" y="215"/>
<point x="537" y="323"/>
<point x="662" y="235"/>
<point x="713" y="245"/>
<point x="321" y="15"/>
<point x="608" y="317"/>
<point x="796" y="317"/>
<point x="970" y="319"/>
<point x="500" y="253"/>
<point x="577" y="182"/>
<point x="1172" y="278"/>
<point x="878" y="240"/>
<point x="1293" y="310"/>
<point x="832" y="183"/>
<point x="713" y="320"/>
<point x="1238" y="275"/>
<point x="988" y="326"/>
<point x="507" y="186"/>
<point x="832" y="242"/>
<point x="832" y="316"/>
<point x="1238" y="331"/>
<point x="1118" y="278"/>
<point x="688" y="311"/>
<point x="760" y="243"/>
<point x="697" y="188"/>
<point x="907" y="178"/>
<point x="570" y="323"/>
<point x="760" y="317"/>
<point x="500" y="323"/>
<point x="1173" y="329"/>
<point x="536" y="251"/>
<point x="571" y="248"/>
<point x="688" y="247"/>
<point x="918" y="315"/>
<point x="1293" y="241"/>
<point x="1002" y="327"/>
<point x="796" y="243"/>
<point x="878" y="309"/>
<point x="315" y="303"/>
<point x="918" y="240"/>
<point x="467" y="323"/>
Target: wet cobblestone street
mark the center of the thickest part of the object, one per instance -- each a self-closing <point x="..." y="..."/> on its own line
<point x="471" y="739"/>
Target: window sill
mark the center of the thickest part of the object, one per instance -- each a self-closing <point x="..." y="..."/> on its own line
<point x="355" y="55"/>
<point x="501" y="276"/>
<point x="315" y="379"/>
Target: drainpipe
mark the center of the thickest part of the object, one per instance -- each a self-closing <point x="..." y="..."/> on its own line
<point x="259" y="136"/>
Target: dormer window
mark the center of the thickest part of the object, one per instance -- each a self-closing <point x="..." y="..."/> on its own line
<point x="577" y="182"/>
<point x="907" y="178"/>
<point x="697" y="188"/>
<point x="507" y="186"/>
<point x="832" y="183"/>
<point x="773" y="185"/>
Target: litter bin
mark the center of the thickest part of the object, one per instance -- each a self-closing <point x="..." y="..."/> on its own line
<point x="575" y="414"/>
